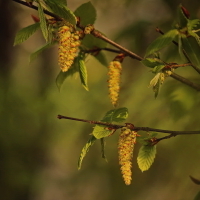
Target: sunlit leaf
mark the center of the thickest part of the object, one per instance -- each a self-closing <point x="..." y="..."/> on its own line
<point x="85" y="149"/>
<point x="161" y="41"/>
<point x="83" y="73"/>
<point x="25" y="33"/>
<point x="101" y="131"/>
<point x="87" y="13"/>
<point x="146" y="157"/>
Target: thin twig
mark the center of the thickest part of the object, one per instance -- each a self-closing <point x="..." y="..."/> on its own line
<point x="185" y="81"/>
<point x="147" y="129"/>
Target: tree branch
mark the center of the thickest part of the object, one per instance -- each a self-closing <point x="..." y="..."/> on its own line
<point x="185" y="81"/>
<point x="124" y="50"/>
<point x="147" y="129"/>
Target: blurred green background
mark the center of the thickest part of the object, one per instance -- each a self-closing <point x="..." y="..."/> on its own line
<point x="39" y="153"/>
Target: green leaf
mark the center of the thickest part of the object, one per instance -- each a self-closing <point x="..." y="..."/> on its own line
<point x="100" y="56"/>
<point x="161" y="41"/>
<point x="25" y="33"/>
<point x="197" y="197"/>
<point x="35" y="54"/>
<point x="91" y="42"/>
<point x="182" y="19"/>
<point x="191" y="50"/>
<point x="146" y="157"/>
<point x="71" y="71"/>
<point x="103" y="143"/>
<point x="83" y="73"/>
<point x="87" y="13"/>
<point x="85" y="149"/>
<point x="158" y="68"/>
<point x="115" y="115"/>
<point x="43" y="23"/>
<point x="62" y="11"/>
<point x="152" y="62"/>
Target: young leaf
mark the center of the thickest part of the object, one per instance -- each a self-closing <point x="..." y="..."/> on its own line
<point x="146" y="157"/>
<point x="161" y="41"/>
<point x="25" y="33"/>
<point x="103" y="143"/>
<point x="152" y="62"/>
<point x="115" y="115"/>
<point x="191" y="50"/>
<point x="91" y="42"/>
<point x="100" y="56"/>
<point x="83" y="73"/>
<point x="43" y="23"/>
<point x="87" y="14"/>
<point x="85" y="149"/>
<point x="63" y="75"/>
<point x="182" y="19"/>
<point x="158" y="68"/>
<point x="35" y="54"/>
<point x="62" y="11"/>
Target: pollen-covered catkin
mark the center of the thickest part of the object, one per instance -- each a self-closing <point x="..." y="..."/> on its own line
<point x="126" y="143"/>
<point x="114" y="73"/>
<point x="69" y="41"/>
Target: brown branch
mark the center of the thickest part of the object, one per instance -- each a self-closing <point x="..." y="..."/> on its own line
<point x="147" y="129"/>
<point x="185" y="81"/>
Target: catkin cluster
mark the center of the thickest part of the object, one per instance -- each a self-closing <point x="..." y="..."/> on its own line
<point x="114" y="73"/>
<point x="126" y="143"/>
<point x="69" y="41"/>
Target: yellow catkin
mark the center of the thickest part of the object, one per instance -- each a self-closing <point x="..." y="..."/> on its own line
<point x="114" y="73"/>
<point x="69" y="41"/>
<point x="126" y="143"/>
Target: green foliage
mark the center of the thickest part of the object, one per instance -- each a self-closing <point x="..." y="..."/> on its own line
<point x="146" y="157"/>
<point x="62" y="11"/>
<point x="161" y="42"/>
<point x="35" y="54"/>
<point x="152" y="62"/>
<point x="182" y="19"/>
<point x="191" y="51"/>
<point x="100" y="56"/>
<point x="43" y="23"/>
<point x="85" y="149"/>
<point x="25" y="33"/>
<point x="83" y="73"/>
<point x="115" y="115"/>
<point x="87" y="14"/>
<point x="91" y="42"/>
<point x="71" y="71"/>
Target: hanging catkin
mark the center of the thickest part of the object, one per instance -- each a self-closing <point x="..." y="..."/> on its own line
<point x="114" y="73"/>
<point x="126" y="143"/>
<point x="69" y="41"/>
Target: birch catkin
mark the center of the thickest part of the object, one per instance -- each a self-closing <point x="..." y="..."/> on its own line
<point x="126" y="143"/>
<point x="69" y="41"/>
<point x="114" y="73"/>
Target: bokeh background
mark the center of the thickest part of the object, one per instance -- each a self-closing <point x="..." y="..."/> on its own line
<point x="39" y="153"/>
